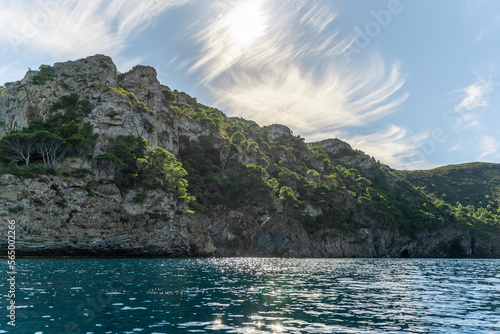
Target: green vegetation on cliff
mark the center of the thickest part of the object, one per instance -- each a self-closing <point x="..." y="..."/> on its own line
<point x="218" y="163"/>
<point x="325" y="189"/>
<point x="51" y="140"/>
<point x="470" y="192"/>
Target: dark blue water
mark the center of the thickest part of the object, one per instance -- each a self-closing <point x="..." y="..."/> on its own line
<point x="253" y="295"/>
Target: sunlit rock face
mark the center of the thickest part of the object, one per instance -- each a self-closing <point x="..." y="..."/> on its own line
<point x="23" y="101"/>
<point x="278" y="130"/>
<point x="82" y="211"/>
<point x="334" y="145"/>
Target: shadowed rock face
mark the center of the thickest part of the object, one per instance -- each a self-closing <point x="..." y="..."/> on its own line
<point x="90" y="216"/>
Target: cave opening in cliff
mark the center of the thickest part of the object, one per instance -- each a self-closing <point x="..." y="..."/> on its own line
<point x="405" y="254"/>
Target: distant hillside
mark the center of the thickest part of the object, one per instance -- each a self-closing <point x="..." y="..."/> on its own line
<point x="94" y="162"/>
<point x="475" y="187"/>
<point x="475" y="184"/>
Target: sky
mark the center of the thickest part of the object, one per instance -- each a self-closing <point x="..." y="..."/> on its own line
<point x="413" y="83"/>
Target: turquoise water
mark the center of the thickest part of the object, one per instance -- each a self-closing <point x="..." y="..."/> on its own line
<point x="254" y="295"/>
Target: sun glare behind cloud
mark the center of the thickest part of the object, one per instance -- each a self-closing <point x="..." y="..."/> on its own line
<point x="246" y="23"/>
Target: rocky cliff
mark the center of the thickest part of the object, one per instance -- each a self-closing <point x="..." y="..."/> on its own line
<point x="258" y="191"/>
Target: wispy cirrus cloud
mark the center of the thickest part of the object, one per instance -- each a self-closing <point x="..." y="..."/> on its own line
<point x="75" y="28"/>
<point x="395" y="146"/>
<point x="318" y="18"/>
<point x="484" y="18"/>
<point x="294" y="72"/>
<point x="465" y="114"/>
<point x="312" y="105"/>
<point x="476" y="95"/>
<point x="456" y="147"/>
<point x="466" y="117"/>
<point x="286" y="32"/>
<point x="487" y="146"/>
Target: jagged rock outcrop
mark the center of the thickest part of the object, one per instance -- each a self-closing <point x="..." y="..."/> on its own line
<point x="82" y="211"/>
<point x="112" y="114"/>
<point x="278" y="130"/>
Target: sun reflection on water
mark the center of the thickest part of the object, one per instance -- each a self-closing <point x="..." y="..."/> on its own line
<point x="255" y="295"/>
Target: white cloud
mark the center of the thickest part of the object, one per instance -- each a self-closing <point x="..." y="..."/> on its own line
<point x="456" y="147"/>
<point x="319" y="19"/>
<point x="294" y="73"/>
<point x="171" y="61"/>
<point x="483" y="17"/>
<point x="487" y="146"/>
<point x="311" y="104"/>
<point x="394" y="146"/>
<point x="75" y="28"/>
<point x="133" y="16"/>
<point x="283" y="38"/>
<point x="465" y="113"/>
<point x="476" y="95"/>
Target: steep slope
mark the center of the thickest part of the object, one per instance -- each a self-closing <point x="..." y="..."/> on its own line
<point x="475" y="184"/>
<point x="471" y="190"/>
<point x="144" y="170"/>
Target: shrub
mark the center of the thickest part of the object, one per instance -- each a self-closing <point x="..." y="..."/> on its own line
<point x="323" y="157"/>
<point x="166" y="170"/>
<point x="89" y="186"/>
<point x="16" y="209"/>
<point x="140" y="197"/>
<point x="131" y="96"/>
<point x="84" y="106"/>
<point x="237" y="138"/>
<point x="80" y="145"/>
<point x="312" y="173"/>
<point x="66" y="101"/>
<point x="29" y="172"/>
<point x="133" y="100"/>
<point x="253" y="146"/>
<point x="64" y="85"/>
<point x="111" y="157"/>
<point x="81" y="172"/>
<point x="169" y="95"/>
<point x="61" y="203"/>
<point x="46" y="73"/>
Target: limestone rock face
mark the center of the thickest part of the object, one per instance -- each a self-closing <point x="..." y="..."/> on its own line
<point x="23" y="101"/>
<point x="334" y="146"/>
<point x="278" y="130"/>
<point x="361" y="161"/>
<point x="74" y="216"/>
<point x="85" y="213"/>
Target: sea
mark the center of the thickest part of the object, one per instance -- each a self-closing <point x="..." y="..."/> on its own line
<point x="252" y="295"/>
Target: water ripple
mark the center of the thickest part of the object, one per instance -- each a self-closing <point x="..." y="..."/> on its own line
<point x="255" y="295"/>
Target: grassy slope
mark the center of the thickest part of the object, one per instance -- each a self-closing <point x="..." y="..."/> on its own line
<point x="476" y="184"/>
